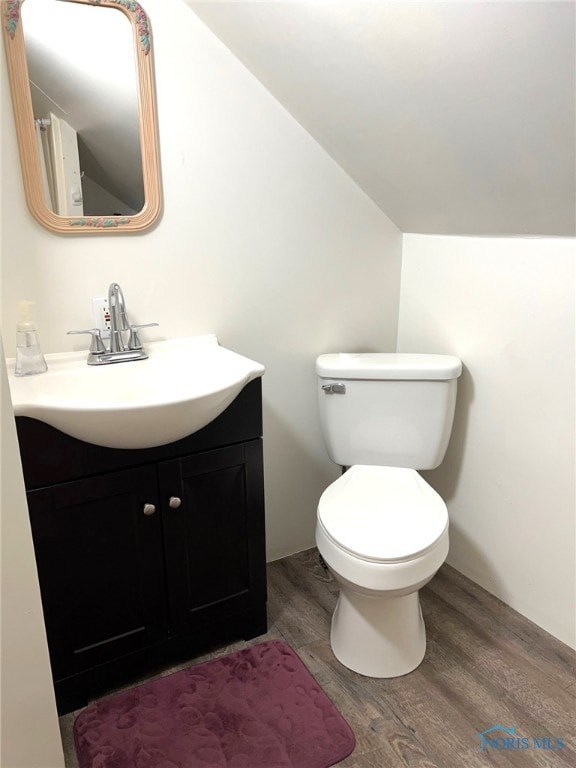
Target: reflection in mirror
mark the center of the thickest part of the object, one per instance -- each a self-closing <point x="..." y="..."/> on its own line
<point x="85" y="107"/>
<point x="86" y="126"/>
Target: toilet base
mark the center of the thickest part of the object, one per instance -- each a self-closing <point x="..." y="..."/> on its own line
<point x="378" y="636"/>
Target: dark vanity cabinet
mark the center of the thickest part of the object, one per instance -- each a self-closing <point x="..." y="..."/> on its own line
<point x="101" y="567"/>
<point x="146" y="557"/>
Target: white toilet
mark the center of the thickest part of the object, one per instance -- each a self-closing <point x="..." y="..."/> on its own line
<point x="381" y="529"/>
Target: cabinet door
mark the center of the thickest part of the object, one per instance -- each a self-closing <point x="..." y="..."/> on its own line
<point x="100" y="565"/>
<point x="214" y="539"/>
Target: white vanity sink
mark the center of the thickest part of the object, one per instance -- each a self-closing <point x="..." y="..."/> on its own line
<point x="182" y="386"/>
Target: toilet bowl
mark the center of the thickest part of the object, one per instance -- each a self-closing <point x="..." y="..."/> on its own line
<point x="383" y="533"/>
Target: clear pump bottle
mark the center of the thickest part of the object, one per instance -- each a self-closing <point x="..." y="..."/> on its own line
<point x="29" y="357"/>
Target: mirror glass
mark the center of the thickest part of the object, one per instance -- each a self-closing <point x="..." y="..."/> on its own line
<point x="91" y="99"/>
<point x="86" y="122"/>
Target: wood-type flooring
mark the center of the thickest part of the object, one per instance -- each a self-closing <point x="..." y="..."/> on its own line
<point x="485" y="665"/>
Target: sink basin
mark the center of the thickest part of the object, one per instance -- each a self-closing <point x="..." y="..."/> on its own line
<point x="182" y="386"/>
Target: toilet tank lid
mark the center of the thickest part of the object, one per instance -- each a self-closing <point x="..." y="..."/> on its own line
<point x="388" y="365"/>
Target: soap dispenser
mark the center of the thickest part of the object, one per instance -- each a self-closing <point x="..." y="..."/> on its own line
<point x="29" y="357"/>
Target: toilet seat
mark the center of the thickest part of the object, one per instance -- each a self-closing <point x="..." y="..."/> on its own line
<point x="383" y="514"/>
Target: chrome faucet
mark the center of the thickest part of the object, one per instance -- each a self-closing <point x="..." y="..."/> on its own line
<point x="119" y="351"/>
<point x="118" y="318"/>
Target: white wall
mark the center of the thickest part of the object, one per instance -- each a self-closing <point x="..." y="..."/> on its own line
<point x="506" y="307"/>
<point x="426" y="104"/>
<point x="29" y="735"/>
<point x="264" y="241"/>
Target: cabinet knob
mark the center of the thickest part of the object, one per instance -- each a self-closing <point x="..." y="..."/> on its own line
<point x="174" y="502"/>
<point x="149" y="509"/>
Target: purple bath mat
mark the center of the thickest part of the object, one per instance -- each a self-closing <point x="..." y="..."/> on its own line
<point x="257" y="708"/>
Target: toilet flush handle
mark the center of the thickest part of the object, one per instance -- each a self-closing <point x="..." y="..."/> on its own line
<point x="334" y="389"/>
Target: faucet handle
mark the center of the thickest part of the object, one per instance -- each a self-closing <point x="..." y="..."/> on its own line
<point x="134" y="340"/>
<point x="96" y="344"/>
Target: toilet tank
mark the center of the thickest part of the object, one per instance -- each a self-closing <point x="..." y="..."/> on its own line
<point x="389" y="409"/>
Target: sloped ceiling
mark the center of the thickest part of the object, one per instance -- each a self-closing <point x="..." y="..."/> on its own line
<point x="454" y="117"/>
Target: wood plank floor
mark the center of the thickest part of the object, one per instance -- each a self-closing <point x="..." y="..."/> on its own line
<point x="485" y="665"/>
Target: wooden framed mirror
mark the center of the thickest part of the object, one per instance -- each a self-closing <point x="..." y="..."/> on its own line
<point x="82" y="84"/>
